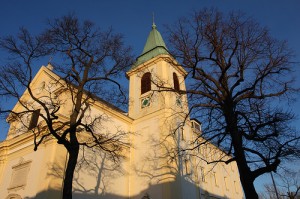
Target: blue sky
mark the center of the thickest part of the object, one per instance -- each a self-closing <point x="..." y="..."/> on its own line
<point x="133" y="18"/>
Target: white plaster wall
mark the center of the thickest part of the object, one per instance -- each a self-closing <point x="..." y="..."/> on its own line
<point x="39" y="177"/>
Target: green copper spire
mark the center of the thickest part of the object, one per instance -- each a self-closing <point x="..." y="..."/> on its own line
<point x="154" y="46"/>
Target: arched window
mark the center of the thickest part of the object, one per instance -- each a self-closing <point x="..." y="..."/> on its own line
<point x="146" y="83"/>
<point x="176" y="82"/>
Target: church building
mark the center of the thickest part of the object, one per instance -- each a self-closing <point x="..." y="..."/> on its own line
<point x="157" y="165"/>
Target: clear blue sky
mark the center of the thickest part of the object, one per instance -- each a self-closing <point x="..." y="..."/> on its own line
<point x="133" y="18"/>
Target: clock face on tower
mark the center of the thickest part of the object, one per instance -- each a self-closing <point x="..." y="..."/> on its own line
<point x="145" y="102"/>
<point x="179" y="101"/>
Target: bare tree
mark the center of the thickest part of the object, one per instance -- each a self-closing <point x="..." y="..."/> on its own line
<point x="239" y="83"/>
<point x="270" y="193"/>
<point x="287" y="185"/>
<point x="89" y="62"/>
<point x="290" y="184"/>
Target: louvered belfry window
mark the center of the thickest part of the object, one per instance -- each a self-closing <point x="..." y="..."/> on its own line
<point x="176" y="82"/>
<point x="146" y="83"/>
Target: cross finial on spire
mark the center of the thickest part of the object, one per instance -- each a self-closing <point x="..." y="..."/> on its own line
<point x="50" y="60"/>
<point x="49" y="66"/>
<point x="153" y="23"/>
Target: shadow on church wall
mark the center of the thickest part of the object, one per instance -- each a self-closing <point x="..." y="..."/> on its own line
<point x="165" y="167"/>
<point x="145" y="194"/>
<point x="97" y="176"/>
<point x="99" y="170"/>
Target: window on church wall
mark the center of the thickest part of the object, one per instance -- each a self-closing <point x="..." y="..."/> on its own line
<point x="196" y="126"/>
<point x="226" y="183"/>
<point x="209" y="153"/>
<point x="180" y="130"/>
<point x="186" y="165"/>
<point x="202" y="174"/>
<point x="34" y="119"/>
<point x="235" y="186"/>
<point x="215" y="179"/>
<point x="19" y="175"/>
<point x="22" y="122"/>
<point x="198" y="144"/>
<point x="146" y="83"/>
<point x="179" y="101"/>
<point x="176" y="82"/>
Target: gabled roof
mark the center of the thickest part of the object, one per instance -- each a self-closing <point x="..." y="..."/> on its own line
<point x="154" y="46"/>
<point x="48" y="71"/>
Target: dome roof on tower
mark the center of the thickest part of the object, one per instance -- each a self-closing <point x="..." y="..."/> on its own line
<point x="154" y="46"/>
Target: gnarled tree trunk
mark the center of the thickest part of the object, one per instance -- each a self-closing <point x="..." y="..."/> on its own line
<point x="68" y="179"/>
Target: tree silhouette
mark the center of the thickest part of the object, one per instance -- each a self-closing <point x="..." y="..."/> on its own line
<point x="89" y="62"/>
<point x="240" y="83"/>
<point x="287" y="185"/>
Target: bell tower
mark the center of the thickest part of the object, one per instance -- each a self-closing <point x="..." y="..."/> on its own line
<point x="154" y="74"/>
<point x="155" y="99"/>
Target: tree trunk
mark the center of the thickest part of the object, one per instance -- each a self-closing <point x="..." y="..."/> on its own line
<point x="248" y="185"/>
<point x="246" y="176"/>
<point x="68" y="180"/>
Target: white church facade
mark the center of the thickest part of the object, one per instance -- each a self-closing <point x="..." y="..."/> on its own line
<point x="155" y="165"/>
